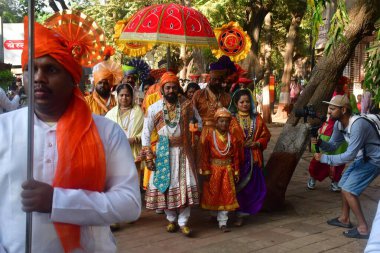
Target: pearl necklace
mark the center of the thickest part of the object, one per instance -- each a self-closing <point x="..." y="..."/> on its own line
<point x="227" y="149"/>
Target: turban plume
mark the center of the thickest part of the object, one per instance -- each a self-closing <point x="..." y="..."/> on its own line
<point x="48" y="42"/>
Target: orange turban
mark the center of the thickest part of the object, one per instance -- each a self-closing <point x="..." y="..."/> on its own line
<point x="168" y="77"/>
<point x="222" y="113"/>
<point x="109" y="70"/>
<point x="48" y="42"/>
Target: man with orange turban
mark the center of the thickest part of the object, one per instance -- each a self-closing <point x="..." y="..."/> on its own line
<point x="84" y="176"/>
<point x="172" y="185"/>
<point x="150" y="100"/>
<point x="106" y="75"/>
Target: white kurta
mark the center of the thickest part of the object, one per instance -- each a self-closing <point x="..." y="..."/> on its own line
<point x="93" y="211"/>
<point x="183" y="187"/>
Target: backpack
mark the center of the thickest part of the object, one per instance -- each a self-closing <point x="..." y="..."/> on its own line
<point x="373" y="119"/>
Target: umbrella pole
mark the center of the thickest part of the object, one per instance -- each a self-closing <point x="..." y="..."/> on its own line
<point x="168" y="58"/>
<point x="31" y="5"/>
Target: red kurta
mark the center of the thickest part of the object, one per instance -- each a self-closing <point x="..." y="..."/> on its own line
<point x="219" y="193"/>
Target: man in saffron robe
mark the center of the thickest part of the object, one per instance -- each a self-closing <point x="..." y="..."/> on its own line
<point x="106" y="75"/>
<point x="84" y="174"/>
<point x="220" y="163"/>
<point x="172" y="185"/>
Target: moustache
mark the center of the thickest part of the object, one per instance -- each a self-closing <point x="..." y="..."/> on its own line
<point x="42" y="89"/>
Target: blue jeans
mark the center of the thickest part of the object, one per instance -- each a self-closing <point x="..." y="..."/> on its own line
<point x="358" y="176"/>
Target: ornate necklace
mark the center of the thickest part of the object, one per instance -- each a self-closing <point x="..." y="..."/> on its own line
<point x="124" y="126"/>
<point x="172" y="123"/>
<point x="247" y="124"/>
<point x="227" y="149"/>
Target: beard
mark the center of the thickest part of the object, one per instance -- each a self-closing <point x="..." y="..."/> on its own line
<point x="171" y="98"/>
<point x="103" y="93"/>
<point x="215" y="88"/>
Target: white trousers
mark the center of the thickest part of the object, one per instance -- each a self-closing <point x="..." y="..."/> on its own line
<point x="182" y="214"/>
<point x="221" y="216"/>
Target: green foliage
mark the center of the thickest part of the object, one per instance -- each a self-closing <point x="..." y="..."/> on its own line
<point x="372" y="68"/>
<point x="220" y="12"/>
<point x="6" y="78"/>
<point x="14" y="11"/>
<point x="106" y="15"/>
<point x="316" y="7"/>
<point x="338" y="24"/>
<point x="278" y="88"/>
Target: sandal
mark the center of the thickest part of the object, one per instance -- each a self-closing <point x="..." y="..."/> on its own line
<point x="171" y="227"/>
<point x="354" y="233"/>
<point x="225" y="229"/>
<point x="337" y="223"/>
<point x="186" y="231"/>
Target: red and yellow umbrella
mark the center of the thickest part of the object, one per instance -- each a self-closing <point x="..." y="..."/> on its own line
<point x="133" y="49"/>
<point x="170" y="24"/>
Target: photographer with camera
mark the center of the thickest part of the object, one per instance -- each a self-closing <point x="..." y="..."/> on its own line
<point x="363" y="150"/>
<point x="7" y="104"/>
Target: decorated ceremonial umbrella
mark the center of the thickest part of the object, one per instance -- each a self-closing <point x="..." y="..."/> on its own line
<point x="233" y="41"/>
<point x="133" y="49"/>
<point x="169" y="24"/>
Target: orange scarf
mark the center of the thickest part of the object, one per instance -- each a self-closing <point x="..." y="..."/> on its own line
<point x="81" y="160"/>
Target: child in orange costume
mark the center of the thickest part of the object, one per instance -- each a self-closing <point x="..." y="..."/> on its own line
<point x="221" y="167"/>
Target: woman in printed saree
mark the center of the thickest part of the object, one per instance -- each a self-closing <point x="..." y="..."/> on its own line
<point x="129" y="116"/>
<point x="220" y="165"/>
<point x="247" y="125"/>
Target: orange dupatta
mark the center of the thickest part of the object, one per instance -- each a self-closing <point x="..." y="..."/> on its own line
<point x="81" y="160"/>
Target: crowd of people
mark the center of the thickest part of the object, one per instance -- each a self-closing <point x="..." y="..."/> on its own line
<point x="94" y="155"/>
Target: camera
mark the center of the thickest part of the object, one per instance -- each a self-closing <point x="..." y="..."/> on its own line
<point x="305" y="112"/>
<point x="308" y="111"/>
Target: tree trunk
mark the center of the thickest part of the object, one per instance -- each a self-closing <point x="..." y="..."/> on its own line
<point x="254" y="23"/>
<point x="325" y="75"/>
<point x="267" y="114"/>
<point x="199" y="62"/>
<point x="283" y="107"/>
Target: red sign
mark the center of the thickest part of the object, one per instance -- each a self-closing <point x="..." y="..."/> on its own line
<point x="14" y="44"/>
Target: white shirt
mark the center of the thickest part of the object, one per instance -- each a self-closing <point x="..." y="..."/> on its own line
<point x="6" y="104"/>
<point x="373" y="244"/>
<point x="93" y="211"/>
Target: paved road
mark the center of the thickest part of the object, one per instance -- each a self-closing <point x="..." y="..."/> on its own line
<point x="300" y="227"/>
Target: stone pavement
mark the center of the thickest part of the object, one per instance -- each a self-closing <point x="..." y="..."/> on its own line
<point x="300" y="227"/>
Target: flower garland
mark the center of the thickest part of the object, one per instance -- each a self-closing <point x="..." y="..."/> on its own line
<point x="227" y="149"/>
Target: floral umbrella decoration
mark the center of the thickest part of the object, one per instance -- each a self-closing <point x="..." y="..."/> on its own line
<point x="233" y="41"/>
